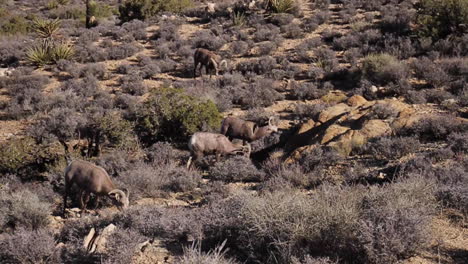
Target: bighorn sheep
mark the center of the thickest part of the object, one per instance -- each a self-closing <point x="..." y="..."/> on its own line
<point x="249" y="131"/>
<point x="202" y="143"/>
<point x="209" y="60"/>
<point x="92" y="179"/>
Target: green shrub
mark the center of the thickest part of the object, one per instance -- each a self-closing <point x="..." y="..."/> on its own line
<point x="14" y="25"/>
<point x="439" y="19"/>
<point x="16" y="155"/>
<point x="170" y="114"/>
<point x="143" y="9"/>
<point x="383" y="68"/>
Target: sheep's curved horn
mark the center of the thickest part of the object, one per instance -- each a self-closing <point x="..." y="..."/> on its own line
<point x="215" y="64"/>
<point x="223" y="62"/>
<point x="127" y="192"/>
<point x="118" y="194"/>
<point x="269" y="120"/>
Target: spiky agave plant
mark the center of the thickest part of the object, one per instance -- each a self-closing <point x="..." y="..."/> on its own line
<point x="62" y="51"/>
<point x="49" y="52"/>
<point x="45" y="28"/>
<point x="238" y="18"/>
<point x="40" y="54"/>
<point x="281" y="6"/>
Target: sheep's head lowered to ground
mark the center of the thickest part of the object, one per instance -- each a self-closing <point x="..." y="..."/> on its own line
<point x="205" y="143"/>
<point x="249" y="131"/>
<point x="90" y="178"/>
<point x="211" y="61"/>
<point x="119" y="198"/>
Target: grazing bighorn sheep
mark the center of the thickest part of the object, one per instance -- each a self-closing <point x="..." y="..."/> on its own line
<point x="203" y="143"/>
<point x="209" y="60"/>
<point x="249" y="131"/>
<point x="92" y="179"/>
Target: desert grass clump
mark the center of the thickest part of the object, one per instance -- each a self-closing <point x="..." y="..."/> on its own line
<point x="194" y="254"/>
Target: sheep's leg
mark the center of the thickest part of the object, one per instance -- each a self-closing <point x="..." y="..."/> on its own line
<point x="189" y="163"/>
<point x="65" y="196"/>
<point x="84" y="202"/>
<point x="96" y="203"/>
<point x="195" y="70"/>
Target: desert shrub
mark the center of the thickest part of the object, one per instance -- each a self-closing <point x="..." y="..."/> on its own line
<point x="29" y="246"/>
<point x="266" y="48"/>
<point x="396" y="18"/>
<point x="292" y="31"/>
<point x="259" y="94"/>
<point x="97" y="70"/>
<point x="144" y="9"/>
<point x="173" y="115"/>
<point x="12" y="50"/>
<point x="22" y="156"/>
<point x="307" y="111"/>
<point x="121" y="245"/>
<point x="400" y="47"/>
<point x="321" y="212"/>
<point x="319" y="157"/>
<point x="237" y="168"/>
<point x="388" y="148"/>
<point x="435" y="127"/>
<point x="395" y="220"/>
<point x="383" y="68"/>
<point x="459" y="142"/>
<point x="438" y="97"/>
<point x="194" y="254"/>
<point x="325" y="58"/>
<point x="155" y="180"/>
<point x="281" y="176"/>
<point x="162" y="153"/>
<point x="122" y="51"/>
<point x="208" y="40"/>
<point x="13" y="25"/>
<point x="240" y="48"/>
<point x="439" y="19"/>
<point x="429" y="71"/>
<point x="133" y="84"/>
<point x="136" y="28"/>
<point x="261" y="66"/>
<point x="176" y="224"/>
<point x="86" y="87"/>
<point x="267" y="32"/>
<point x="281" y="19"/>
<point x="90" y="53"/>
<point x="22" y="209"/>
<point x="309" y="91"/>
<point x="147" y="67"/>
<point x="383" y="111"/>
<point x="26" y="94"/>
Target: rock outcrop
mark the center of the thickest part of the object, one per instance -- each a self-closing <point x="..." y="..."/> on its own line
<point x="348" y="125"/>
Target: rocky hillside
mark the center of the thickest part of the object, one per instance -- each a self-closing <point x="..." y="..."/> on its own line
<point x="369" y="163"/>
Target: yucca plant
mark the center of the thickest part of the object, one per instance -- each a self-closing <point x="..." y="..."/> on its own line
<point x="62" y="51"/>
<point x="45" y="28"/>
<point x="49" y="52"/>
<point x="40" y="54"/>
<point x="281" y="6"/>
<point x="238" y="18"/>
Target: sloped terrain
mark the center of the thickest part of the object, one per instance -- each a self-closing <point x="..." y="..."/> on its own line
<point x="369" y="164"/>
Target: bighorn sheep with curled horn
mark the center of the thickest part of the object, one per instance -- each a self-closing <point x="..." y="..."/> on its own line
<point x="203" y="143"/>
<point x="248" y="131"/>
<point x="92" y="179"/>
<point x="208" y="59"/>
